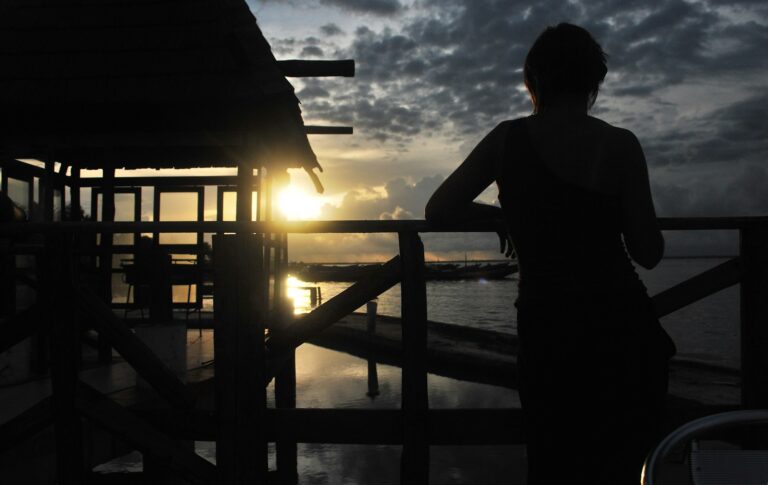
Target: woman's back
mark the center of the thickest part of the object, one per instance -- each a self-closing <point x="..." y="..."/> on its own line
<point x="562" y="205"/>
<point x="579" y="149"/>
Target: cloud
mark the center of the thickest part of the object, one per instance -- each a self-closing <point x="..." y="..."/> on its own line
<point x="312" y="51"/>
<point x="374" y="7"/>
<point x="687" y="77"/>
<point x="331" y="30"/>
<point x="399" y="199"/>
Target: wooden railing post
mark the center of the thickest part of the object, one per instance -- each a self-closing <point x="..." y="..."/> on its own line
<point x="754" y="316"/>
<point x="239" y="312"/>
<point x="414" y="467"/>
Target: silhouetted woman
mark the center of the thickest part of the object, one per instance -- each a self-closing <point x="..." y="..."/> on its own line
<point x="577" y="205"/>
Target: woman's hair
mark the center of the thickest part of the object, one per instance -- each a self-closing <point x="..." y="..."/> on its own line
<point x="564" y="59"/>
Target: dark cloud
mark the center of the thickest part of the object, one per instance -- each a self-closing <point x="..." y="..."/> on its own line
<point x="313" y="92"/>
<point x="312" y="51"/>
<point x="331" y="30"/>
<point x="375" y="7"/>
<point x="739" y="191"/>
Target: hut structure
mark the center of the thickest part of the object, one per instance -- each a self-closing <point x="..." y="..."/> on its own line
<point x="137" y="84"/>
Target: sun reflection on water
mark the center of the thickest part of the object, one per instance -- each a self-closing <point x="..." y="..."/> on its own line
<point x="300" y="293"/>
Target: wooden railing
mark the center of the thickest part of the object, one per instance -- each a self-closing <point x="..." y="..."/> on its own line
<point x="246" y="361"/>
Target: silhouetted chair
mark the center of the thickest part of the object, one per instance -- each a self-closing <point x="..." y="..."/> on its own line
<point x="714" y="466"/>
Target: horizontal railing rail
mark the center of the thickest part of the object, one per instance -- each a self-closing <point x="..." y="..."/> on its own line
<point x="341" y="226"/>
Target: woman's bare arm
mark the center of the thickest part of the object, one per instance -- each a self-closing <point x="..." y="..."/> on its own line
<point x="454" y="199"/>
<point x="642" y="236"/>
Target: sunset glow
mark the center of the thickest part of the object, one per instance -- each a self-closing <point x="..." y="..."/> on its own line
<point x="296" y="205"/>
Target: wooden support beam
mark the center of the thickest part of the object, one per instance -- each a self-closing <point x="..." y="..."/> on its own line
<point x="133" y="350"/>
<point x="23" y="169"/>
<point x="299" y="68"/>
<point x="168" y="181"/>
<point x="357" y="343"/>
<point x="328" y="130"/>
<point x="74" y="191"/>
<point x="754" y="317"/>
<point x="359" y="426"/>
<point x="241" y="450"/>
<point x="125" y="425"/>
<point x="56" y="296"/>
<point x="47" y="183"/>
<point x="105" y="257"/>
<point x="415" y="404"/>
<point x="700" y="286"/>
<point x="27" y="424"/>
<point x="285" y="443"/>
<point x="336" y="308"/>
<point x="245" y="181"/>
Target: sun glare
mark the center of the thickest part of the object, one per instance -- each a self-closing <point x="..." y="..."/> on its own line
<point x="296" y="205"/>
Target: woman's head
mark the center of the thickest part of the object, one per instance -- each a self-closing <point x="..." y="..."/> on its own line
<point x="564" y="61"/>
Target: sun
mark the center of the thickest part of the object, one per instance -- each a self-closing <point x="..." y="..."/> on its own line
<point x="296" y="205"/>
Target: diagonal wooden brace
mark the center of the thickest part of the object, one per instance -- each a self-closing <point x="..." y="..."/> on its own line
<point x="124" y="424"/>
<point x="288" y="337"/>
<point x="141" y="358"/>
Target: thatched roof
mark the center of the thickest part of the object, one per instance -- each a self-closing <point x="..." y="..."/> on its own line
<point x="144" y="83"/>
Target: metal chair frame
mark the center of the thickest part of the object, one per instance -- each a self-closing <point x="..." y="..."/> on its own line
<point x="691" y="430"/>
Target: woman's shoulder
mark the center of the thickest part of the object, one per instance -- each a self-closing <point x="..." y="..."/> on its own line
<point x="615" y="134"/>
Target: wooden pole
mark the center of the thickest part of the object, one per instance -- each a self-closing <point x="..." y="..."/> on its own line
<point x="414" y="467"/>
<point x="74" y="195"/>
<point x="241" y="450"/>
<point x="285" y="377"/>
<point x="373" y="373"/>
<point x="244" y="211"/>
<point x="754" y="317"/>
<point x="48" y="183"/>
<point x="300" y="68"/>
<point x="105" y="259"/>
<point x="65" y="358"/>
<point x="285" y="398"/>
<point x="239" y="312"/>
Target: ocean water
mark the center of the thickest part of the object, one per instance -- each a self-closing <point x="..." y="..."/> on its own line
<point x="706" y="331"/>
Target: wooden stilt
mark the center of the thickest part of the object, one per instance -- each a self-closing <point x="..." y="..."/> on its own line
<point x="373" y="374"/>
<point x="285" y="398"/>
<point x="240" y="309"/>
<point x="754" y="317"/>
<point x="415" y="457"/>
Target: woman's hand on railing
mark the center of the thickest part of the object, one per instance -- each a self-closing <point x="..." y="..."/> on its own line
<point x="506" y="247"/>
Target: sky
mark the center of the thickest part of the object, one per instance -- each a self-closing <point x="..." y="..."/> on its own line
<point x="689" y="78"/>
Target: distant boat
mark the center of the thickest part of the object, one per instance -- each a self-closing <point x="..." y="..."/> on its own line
<point x="442" y="271"/>
<point x="494" y="271"/>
